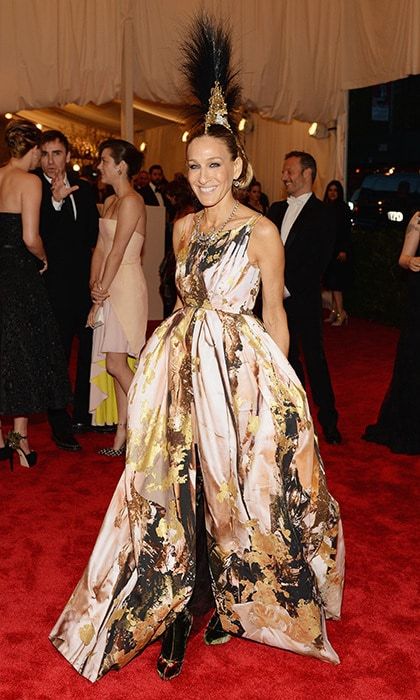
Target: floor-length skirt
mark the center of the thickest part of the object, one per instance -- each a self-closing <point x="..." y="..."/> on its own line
<point x="216" y="380"/>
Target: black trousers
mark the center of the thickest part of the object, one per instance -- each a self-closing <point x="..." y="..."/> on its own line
<point x="71" y="321"/>
<point x="304" y="317"/>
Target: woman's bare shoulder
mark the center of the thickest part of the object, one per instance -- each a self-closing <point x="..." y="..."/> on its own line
<point x="28" y="182"/>
<point x="182" y="229"/>
<point x="184" y="224"/>
<point x="265" y="229"/>
<point x="131" y="204"/>
<point x="132" y="198"/>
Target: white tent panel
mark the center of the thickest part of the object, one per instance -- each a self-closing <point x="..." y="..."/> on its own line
<point x="297" y="57"/>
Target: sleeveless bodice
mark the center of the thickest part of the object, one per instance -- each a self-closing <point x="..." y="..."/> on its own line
<point x="218" y="274"/>
<point x="11" y="241"/>
<point x="10" y="229"/>
<point x="132" y="253"/>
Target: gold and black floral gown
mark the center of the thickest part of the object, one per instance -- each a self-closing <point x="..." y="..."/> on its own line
<point x="211" y="376"/>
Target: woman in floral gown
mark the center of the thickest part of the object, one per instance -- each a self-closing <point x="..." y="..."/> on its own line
<point x="212" y="379"/>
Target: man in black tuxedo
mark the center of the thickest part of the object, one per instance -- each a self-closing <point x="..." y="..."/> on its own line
<point x="69" y="229"/>
<point x="308" y="234"/>
<point x="153" y="192"/>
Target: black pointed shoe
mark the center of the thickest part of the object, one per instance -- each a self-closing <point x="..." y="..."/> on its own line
<point x="174" y="644"/>
<point x="333" y="436"/>
<point x="66" y="441"/>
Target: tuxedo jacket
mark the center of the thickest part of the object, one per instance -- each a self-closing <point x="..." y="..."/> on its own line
<point x="68" y="242"/>
<point x="308" y="248"/>
<point x="149" y="196"/>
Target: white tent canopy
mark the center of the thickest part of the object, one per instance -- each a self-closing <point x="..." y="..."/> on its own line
<point x="297" y="57"/>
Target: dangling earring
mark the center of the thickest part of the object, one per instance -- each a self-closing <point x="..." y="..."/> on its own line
<point x="236" y="183"/>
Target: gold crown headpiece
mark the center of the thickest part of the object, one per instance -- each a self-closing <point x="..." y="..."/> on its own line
<point x="217" y="111"/>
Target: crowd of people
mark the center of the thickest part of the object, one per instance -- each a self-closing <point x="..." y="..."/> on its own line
<point x="212" y="417"/>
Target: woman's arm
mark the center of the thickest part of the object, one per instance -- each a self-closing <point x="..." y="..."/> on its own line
<point x="98" y="252"/>
<point x="131" y="217"/>
<point x="266" y="252"/>
<point x="96" y="263"/>
<point x="31" y="202"/>
<point x="408" y="260"/>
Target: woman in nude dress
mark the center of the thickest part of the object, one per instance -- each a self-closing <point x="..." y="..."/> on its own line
<point x="119" y="294"/>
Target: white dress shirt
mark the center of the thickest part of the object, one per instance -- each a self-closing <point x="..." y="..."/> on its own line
<point x="296" y="205"/>
<point x="157" y="195"/>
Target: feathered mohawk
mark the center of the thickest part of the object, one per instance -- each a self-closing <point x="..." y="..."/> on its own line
<point x="212" y="82"/>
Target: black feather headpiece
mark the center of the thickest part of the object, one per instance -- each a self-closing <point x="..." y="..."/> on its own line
<point x="212" y="82"/>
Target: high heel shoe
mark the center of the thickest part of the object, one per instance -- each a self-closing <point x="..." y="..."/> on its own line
<point x="174" y="644"/>
<point x="332" y="317"/>
<point x="215" y="634"/>
<point x="27" y="459"/>
<point x="342" y="319"/>
<point x="6" y="453"/>
<point x="111" y="451"/>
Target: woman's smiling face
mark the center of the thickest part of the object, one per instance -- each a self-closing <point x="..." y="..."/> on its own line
<point x="211" y="169"/>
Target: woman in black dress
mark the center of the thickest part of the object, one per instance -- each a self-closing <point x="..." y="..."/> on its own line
<point x="336" y="278"/>
<point x="398" y="423"/>
<point x="33" y="374"/>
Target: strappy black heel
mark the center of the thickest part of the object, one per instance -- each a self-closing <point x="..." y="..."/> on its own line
<point x="27" y="459"/>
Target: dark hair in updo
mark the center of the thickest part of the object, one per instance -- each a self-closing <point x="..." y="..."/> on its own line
<point x="234" y="146"/>
<point x="20" y="136"/>
<point x="124" y="150"/>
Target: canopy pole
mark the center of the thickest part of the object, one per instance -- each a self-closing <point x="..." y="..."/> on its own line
<point x="127" y="82"/>
<point x="342" y="144"/>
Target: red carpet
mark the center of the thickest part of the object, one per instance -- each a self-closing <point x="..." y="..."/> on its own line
<point x="50" y="517"/>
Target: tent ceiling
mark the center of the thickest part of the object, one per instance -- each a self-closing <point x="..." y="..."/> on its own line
<point x="296" y="58"/>
<point x="104" y="118"/>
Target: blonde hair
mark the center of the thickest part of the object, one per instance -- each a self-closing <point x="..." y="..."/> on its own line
<point x="20" y="136"/>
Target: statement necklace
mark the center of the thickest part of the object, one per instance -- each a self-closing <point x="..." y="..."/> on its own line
<point x="212" y="235"/>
